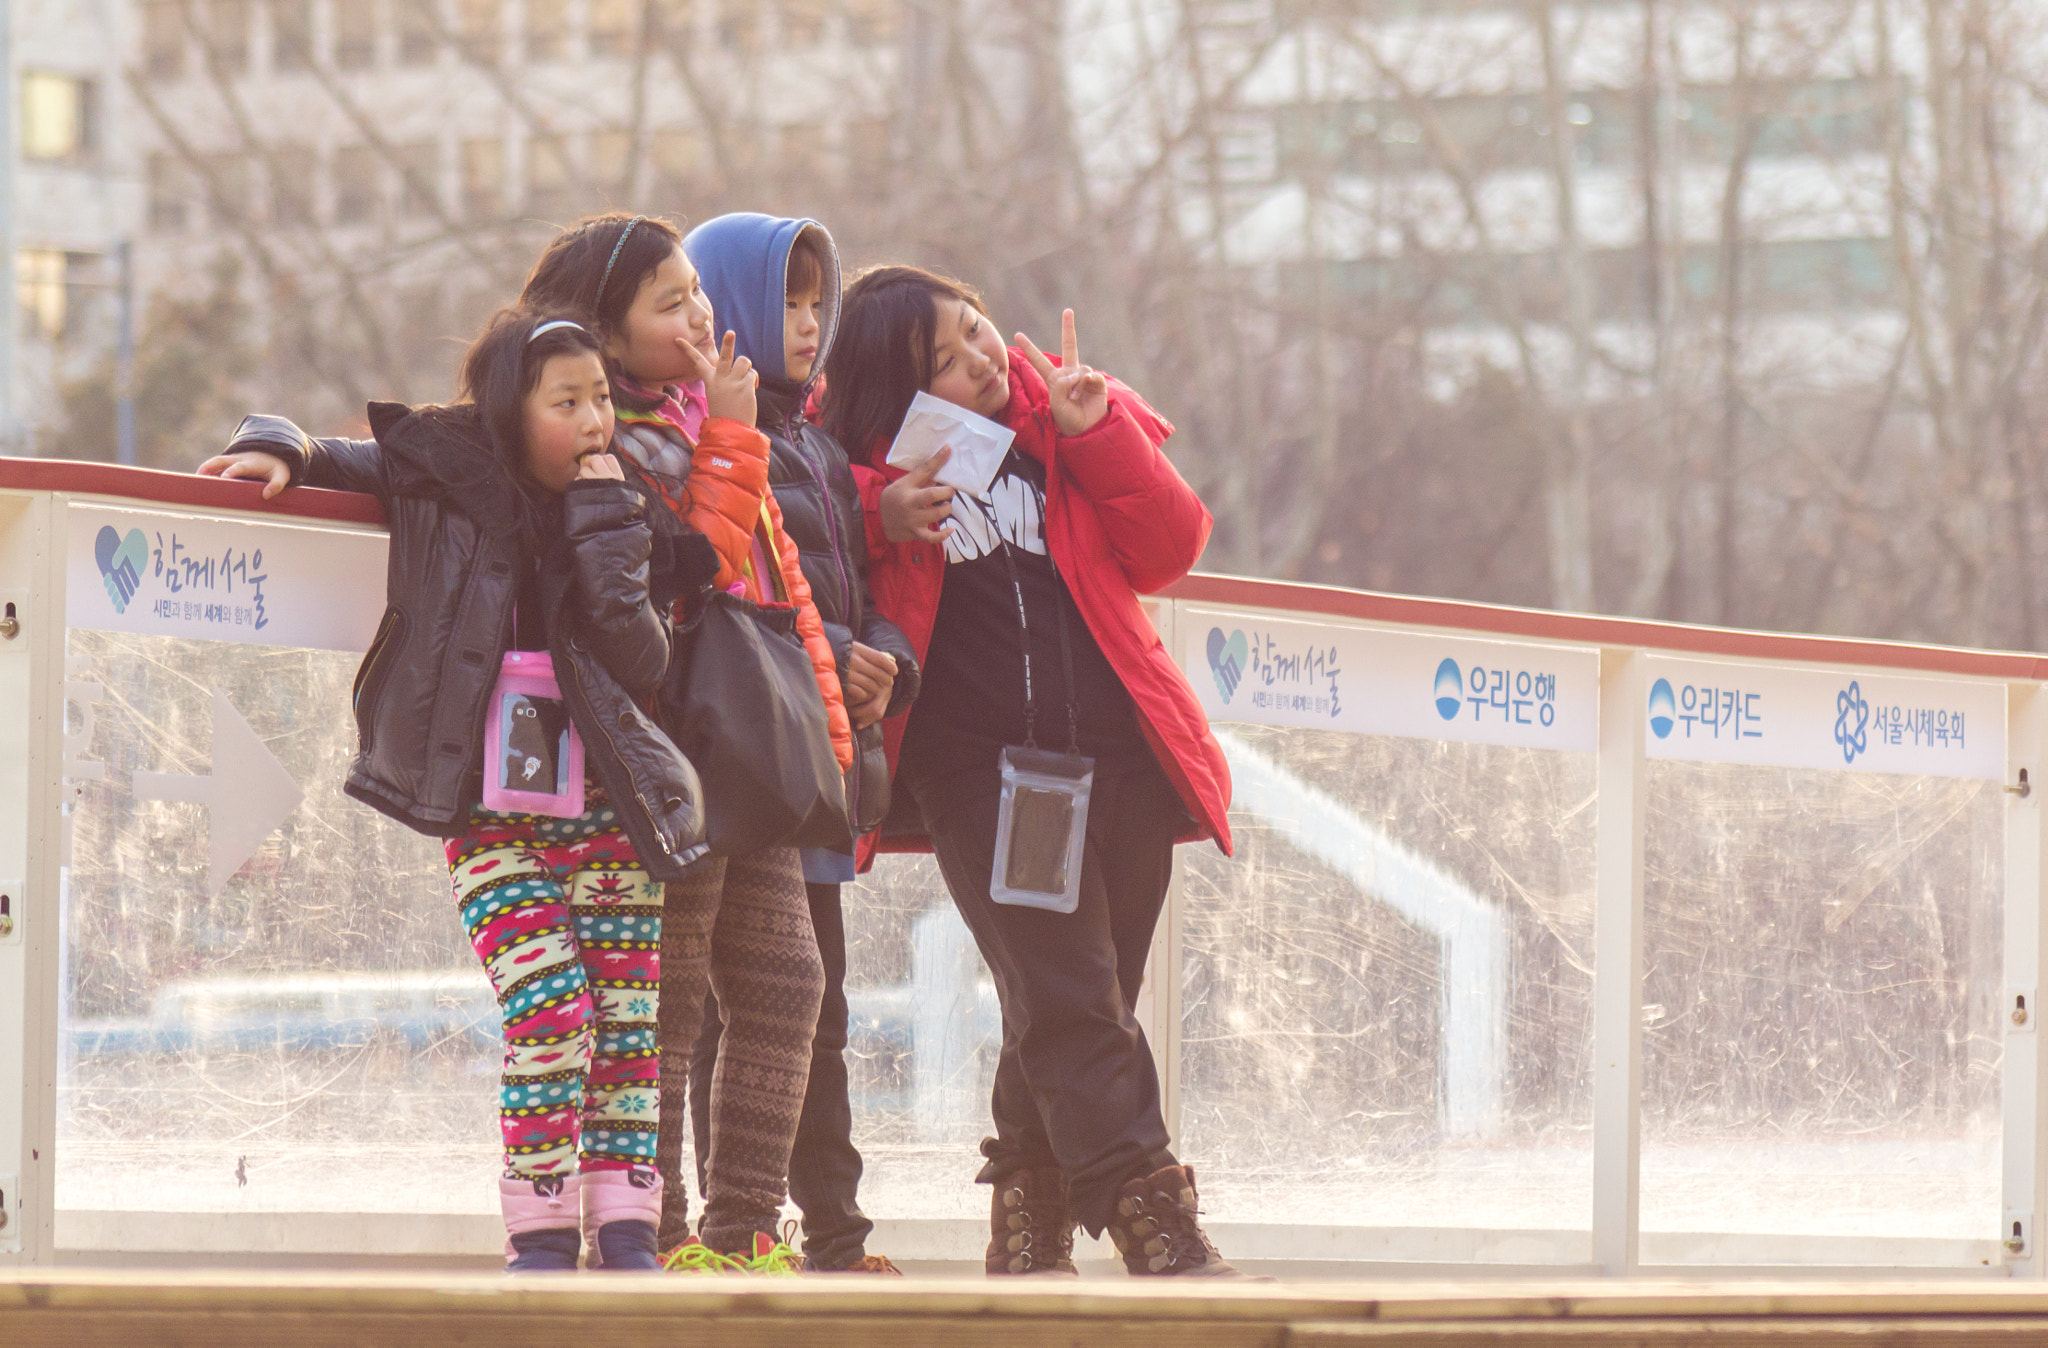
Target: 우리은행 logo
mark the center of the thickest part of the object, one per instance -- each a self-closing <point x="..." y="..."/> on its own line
<point x="121" y="561"/>
<point x="1450" y="689"/>
<point x="1227" y="659"/>
<point x="1663" y="709"/>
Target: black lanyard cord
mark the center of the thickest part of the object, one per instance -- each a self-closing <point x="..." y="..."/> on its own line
<point x="1066" y="656"/>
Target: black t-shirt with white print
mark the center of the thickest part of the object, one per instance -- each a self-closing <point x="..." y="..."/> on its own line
<point x="972" y="698"/>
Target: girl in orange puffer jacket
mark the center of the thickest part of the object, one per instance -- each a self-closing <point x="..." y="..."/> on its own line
<point x="686" y="413"/>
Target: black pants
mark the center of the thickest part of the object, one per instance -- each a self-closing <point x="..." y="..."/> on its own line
<point x="824" y="1167"/>
<point x="1075" y="1085"/>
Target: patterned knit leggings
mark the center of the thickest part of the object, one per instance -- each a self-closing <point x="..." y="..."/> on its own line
<point x="568" y="926"/>
<point x="744" y="925"/>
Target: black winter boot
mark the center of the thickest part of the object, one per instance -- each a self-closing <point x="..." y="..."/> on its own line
<point x="1155" y="1230"/>
<point x="627" y="1247"/>
<point x="554" y="1250"/>
<point x="1031" y="1229"/>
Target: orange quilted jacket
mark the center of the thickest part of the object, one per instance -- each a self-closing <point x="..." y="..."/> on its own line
<point x="728" y="501"/>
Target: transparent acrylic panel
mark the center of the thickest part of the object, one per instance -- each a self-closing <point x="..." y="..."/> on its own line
<point x="1821" y="1048"/>
<point x="319" y="1037"/>
<point x="922" y="1043"/>
<point x="1387" y="1008"/>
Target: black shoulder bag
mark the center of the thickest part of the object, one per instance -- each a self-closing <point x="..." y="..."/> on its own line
<point x="742" y="702"/>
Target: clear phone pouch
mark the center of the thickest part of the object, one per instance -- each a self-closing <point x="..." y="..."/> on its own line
<point x="533" y="757"/>
<point x="1041" y="827"/>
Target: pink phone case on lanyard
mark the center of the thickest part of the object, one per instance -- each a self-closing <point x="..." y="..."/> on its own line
<point x="533" y="760"/>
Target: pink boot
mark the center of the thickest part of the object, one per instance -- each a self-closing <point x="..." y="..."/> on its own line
<point x="540" y="1223"/>
<point x="621" y="1209"/>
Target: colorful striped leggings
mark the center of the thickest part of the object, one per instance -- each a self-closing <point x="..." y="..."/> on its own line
<point x="568" y="926"/>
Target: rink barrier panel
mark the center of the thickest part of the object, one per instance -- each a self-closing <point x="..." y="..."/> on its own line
<point x="36" y="494"/>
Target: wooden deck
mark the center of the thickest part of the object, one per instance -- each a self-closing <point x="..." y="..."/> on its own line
<point x="354" y="1310"/>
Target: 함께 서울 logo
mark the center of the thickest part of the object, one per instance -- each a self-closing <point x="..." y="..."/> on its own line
<point x="121" y="561"/>
<point x="1227" y="659"/>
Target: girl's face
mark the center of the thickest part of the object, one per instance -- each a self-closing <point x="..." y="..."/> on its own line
<point x="568" y="416"/>
<point x="669" y="307"/>
<point x="970" y="367"/>
<point x="802" y="320"/>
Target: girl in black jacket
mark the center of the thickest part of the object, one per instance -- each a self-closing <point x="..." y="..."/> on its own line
<point x="512" y="529"/>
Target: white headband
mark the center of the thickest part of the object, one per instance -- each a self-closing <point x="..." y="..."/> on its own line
<point x="551" y="325"/>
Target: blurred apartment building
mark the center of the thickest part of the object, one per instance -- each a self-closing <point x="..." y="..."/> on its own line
<point x="1640" y="172"/>
<point x="73" y="199"/>
<point x="381" y="172"/>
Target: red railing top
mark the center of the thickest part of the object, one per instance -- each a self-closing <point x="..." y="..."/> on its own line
<point x="1584" y="629"/>
<point x="156" y="487"/>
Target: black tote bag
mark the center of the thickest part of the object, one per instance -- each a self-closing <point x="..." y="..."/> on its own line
<point x="742" y="703"/>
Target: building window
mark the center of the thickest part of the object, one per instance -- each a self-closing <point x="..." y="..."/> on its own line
<point x="868" y="152"/>
<point x="614" y="27"/>
<point x="355" y="34"/>
<point x="40" y="275"/>
<point x="611" y="163"/>
<point x="872" y="21"/>
<point x="419" y="32"/>
<point x="355" y="184"/>
<point x="226" y="35"/>
<point x="291" y="185"/>
<point x="483" y="179"/>
<point x="673" y="20"/>
<point x="673" y="154"/>
<point x="291" y="34"/>
<point x="547" y="30"/>
<point x="419" y="194"/>
<point x="163" y="40"/>
<point x="229" y="198"/>
<point x="738" y="27"/>
<point x="550" y="185"/>
<point x="482" y="26"/>
<point x="56" y="117"/>
<point x="170" y="191"/>
<point x="803" y="23"/>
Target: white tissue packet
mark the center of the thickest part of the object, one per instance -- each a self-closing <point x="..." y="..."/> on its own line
<point x="978" y="443"/>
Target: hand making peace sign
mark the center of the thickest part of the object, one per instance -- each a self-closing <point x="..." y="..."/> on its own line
<point x="1080" y="396"/>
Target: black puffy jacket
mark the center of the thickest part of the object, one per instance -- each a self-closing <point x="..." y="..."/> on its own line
<point x="813" y="483"/>
<point x="456" y="563"/>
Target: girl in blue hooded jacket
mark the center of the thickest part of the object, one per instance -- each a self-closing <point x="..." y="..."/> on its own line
<point x="775" y="283"/>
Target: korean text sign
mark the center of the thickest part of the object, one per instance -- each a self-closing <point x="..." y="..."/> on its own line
<point x="223" y="579"/>
<point x="1850" y="720"/>
<point x="1335" y="676"/>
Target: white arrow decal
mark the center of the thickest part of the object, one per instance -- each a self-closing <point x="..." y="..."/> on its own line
<point x="247" y="797"/>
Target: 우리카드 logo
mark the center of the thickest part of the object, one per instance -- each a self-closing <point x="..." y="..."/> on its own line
<point x="1450" y="689"/>
<point x="1227" y="659"/>
<point x="121" y="561"/>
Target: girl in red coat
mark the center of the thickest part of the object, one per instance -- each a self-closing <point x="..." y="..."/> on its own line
<point x="1037" y="582"/>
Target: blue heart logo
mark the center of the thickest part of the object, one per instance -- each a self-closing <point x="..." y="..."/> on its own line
<point x="1227" y="659"/>
<point x="121" y="561"/>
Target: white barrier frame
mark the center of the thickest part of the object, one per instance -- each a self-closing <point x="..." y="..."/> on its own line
<point x="33" y="509"/>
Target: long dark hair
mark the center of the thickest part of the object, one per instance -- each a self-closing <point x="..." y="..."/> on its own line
<point x="882" y="357"/>
<point x="499" y="370"/>
<point x="571" y="277"/>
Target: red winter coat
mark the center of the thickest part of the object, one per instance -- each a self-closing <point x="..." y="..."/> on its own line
<point x="1119" y="522"/>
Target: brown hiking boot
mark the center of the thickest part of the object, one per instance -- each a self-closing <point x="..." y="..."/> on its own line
<point x="867" y="1263"/>
<point x="1155" y="1230"/>
<point x="1030" y="1227"/>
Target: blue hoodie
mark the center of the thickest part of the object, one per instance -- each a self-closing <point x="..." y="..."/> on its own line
<point x="743" y="260"/>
